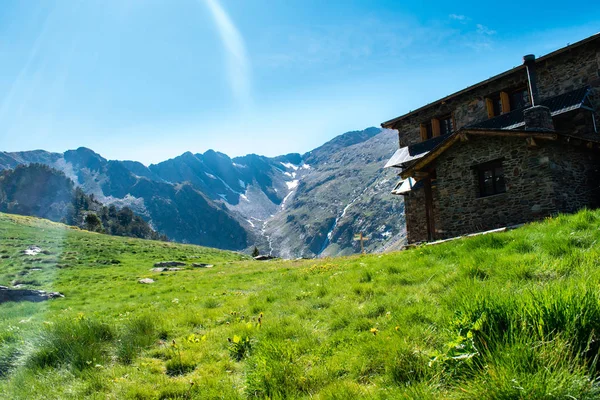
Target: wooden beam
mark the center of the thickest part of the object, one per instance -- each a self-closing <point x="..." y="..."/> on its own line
<point x="421" y="174"/>
<point x="463" y="137"/>
<point x="435" y="127"/>
<point x="431" y="156"/>
<point x="489" y="103"/>
<point x="423" y="132"/>
<point x="505" y="133"/>
<point x="505" y="101"/>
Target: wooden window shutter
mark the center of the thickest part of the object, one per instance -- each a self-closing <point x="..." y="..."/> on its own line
<point x="454" y="128"/>
<point x="435" y="127"/>
<point x="423" y="132"/>
<point x="490" y="107"/>
<point x="505" y="100"/>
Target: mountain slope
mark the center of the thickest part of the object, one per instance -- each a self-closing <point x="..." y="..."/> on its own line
<point x="346" y="192"/>
<point x="38" y="190"/>
<point x="292" y="205"/>
<point x="180" y="211"/>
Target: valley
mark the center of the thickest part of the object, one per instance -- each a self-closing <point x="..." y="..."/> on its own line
<point x="288" y="206"/>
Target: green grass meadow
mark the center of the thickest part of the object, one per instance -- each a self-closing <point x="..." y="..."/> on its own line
<point x="512" y="315"/>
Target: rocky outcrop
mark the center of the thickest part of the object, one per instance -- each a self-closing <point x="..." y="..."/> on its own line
<point x="8" y="294"/>
<point x="201" y="265"/>
<point x="169" y="264"/>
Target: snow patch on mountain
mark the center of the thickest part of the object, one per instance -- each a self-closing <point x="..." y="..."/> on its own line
<point x="293" y="184"/>
<point x="290" y="166"/>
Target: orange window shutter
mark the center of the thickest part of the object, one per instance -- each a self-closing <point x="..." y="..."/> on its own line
<point x="505" y="100"/>
<point x="435" y="127"/>
<point x="423" y="132"/>
<point x="490" y="107"/>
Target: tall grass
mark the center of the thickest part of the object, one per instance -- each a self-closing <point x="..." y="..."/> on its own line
<point x="78" y="344"/>
<point x="502" y="316"/>
<point x="137" y="334"/>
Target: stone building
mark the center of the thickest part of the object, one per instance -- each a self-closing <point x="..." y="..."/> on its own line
<point x="515" y="148"/>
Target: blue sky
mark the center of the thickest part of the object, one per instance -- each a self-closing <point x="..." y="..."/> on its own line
<point x="150" y="79"/>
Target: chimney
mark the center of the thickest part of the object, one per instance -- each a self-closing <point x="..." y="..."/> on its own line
<point x="529" y="61"/>
<point x="538" y="118"/>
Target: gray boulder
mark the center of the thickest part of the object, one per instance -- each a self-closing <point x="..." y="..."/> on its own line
<point x="8" y="294"/>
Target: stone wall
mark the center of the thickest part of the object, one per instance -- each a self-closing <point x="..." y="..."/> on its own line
<point x="528" y="178"/>
<point x="569" y="70"/>
<point x="576" y="177"/>
<point x="416" y="221"/>
<point x="414" y="211"/>
<point x="467" y="108"/>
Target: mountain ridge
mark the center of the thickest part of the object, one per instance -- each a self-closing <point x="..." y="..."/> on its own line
<point x="237" y="203"/>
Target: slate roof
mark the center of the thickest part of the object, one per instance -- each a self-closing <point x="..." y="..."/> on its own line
<point x="428" y="145"/>
<point x="404" y="155"/>
<point x="560" y="104"/>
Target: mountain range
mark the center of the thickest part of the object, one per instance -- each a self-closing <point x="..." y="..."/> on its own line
<point x="289" y="206"/>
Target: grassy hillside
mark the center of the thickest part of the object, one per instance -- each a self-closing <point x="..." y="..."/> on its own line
<point x="510" y="315"/>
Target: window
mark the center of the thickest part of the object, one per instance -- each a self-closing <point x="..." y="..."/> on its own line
<point x="519" y="99"/>
<point x="506" y="101"/>
<point x="491" y="178"/>
<point x="426" y="131"/>
<point x="446" y="125"/>
<point x="496" y="106"/>
<point x="437" y="127"/>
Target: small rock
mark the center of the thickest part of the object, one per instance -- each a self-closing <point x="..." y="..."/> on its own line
<point x="32" y="251"/>
<point x="169" y="264"/>
<point x="165" y="269"/>
<point x="201" y="265"/>
<point x="146" y="280"/>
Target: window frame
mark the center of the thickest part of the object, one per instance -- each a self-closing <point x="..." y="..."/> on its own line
<point x="433" y="128"/>
<point x="498" y="180"/>
<point x="503" y="100"/>
<point x="447" y="117"/>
